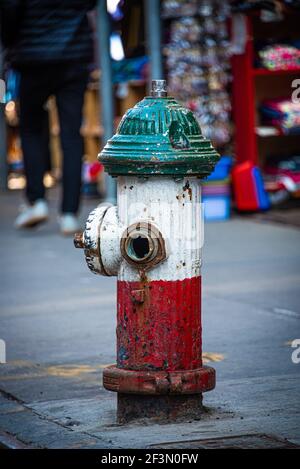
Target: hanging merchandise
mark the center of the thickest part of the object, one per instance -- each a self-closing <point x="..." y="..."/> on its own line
<point x="281" y="113"/>
<point x="282" y="177"/>
<point x="280" y="57"/>
<point x="197" y="62"/>
<point x="269" y="10"/>
<point x="173" y="8"/>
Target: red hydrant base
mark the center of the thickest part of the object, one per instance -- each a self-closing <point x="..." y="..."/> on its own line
<point x="159" y="382"/>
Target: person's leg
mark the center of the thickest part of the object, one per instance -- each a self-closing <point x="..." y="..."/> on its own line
<point x="48" y="162"/>
<point x="33" y="94"/>
<point x="69" y="98"/>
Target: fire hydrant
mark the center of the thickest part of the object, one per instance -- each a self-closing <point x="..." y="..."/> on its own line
<point x="152" y="242"/>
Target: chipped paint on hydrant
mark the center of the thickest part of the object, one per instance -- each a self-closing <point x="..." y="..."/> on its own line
<point x="152" y="241"/>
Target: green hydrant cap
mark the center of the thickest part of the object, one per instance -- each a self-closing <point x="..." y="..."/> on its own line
<point x="159" y="137"/>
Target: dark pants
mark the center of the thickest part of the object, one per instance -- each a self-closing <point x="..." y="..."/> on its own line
<point x="67" y="83"/>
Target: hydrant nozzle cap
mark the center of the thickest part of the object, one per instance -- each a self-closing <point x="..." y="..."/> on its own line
<point x="159" y="88"/>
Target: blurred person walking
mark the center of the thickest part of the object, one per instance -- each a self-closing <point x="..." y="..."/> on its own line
<point x="50" y="43"/>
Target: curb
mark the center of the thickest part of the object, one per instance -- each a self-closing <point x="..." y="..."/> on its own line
<point x="8" y="441"/>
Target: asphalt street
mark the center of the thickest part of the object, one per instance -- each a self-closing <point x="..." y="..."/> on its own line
<point x="58" y="321"/>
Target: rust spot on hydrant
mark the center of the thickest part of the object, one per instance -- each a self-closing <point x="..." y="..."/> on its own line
<point x="187" y="188"/>
<point x="138" y="296"/>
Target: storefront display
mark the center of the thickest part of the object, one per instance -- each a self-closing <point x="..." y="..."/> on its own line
<point x="266" y="116"/>
<point x="281" y="113"/>
<point x="197" y="62"/>
<point x="231" y="62"/>
<point x="280" y="57"/>
<point x="282" y="177"/>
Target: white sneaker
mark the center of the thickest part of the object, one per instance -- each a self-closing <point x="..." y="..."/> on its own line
<point x="69" y="224"/>
<point x="33" y="215"/>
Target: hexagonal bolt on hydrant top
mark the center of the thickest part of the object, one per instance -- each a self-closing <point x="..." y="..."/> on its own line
<point x="151" y="240"/>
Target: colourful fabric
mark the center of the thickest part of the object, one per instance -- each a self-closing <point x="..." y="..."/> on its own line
<point x="280" y="57"/>
<point x="282" y="113"/>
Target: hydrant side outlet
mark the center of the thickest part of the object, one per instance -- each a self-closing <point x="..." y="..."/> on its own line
<point x="152" y="241"/>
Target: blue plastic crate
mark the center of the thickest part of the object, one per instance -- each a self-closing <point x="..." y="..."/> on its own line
<point x="222" y="169"/>
<point x="216" y="207"/>
<point x="262" y="195"/>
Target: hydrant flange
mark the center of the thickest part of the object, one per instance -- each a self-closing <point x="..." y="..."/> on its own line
<point x="159" y="382"/>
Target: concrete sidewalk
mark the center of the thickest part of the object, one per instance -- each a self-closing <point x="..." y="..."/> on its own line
<point x="58" y="321"/>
